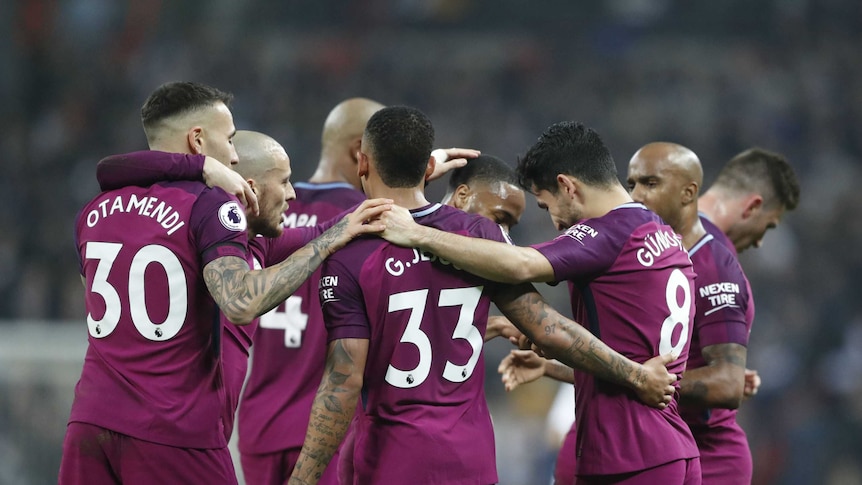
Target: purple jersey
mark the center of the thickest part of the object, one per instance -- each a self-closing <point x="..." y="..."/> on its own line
<point x="152" y="369"/>
<point x="725" y="313"/>
<point x="424" y="418"/>
<point x="290" y="344"/>
<point x="717" y="233"/>
<point x="632" y="286"/>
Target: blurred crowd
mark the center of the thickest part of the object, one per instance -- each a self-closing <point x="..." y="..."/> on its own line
<point x="717" y="78"/>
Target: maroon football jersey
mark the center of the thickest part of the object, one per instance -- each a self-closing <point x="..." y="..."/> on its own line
<point x="424" y="418"/>
<point x="631" y="285"/>
<point x="152" y="369"/>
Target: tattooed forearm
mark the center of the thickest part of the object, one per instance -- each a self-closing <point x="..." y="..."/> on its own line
<point x="718" y="384"/>
<point x="563" y="339"/>
<point x="332" y="409"/>
<point x="243" y="294"/>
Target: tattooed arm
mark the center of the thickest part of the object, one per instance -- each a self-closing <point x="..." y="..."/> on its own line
<point x="332" y="409"/>
<point x="718" y="384"/>
<point x="573" y="345"/>
<point x="243" y="294"/>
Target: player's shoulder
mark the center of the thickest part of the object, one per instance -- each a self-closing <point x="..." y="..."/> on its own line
<point x="336" y="193"/>
<point x="714" y="260"/>
<point x="451" y="219"/>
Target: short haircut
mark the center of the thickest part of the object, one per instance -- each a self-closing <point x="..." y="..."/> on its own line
<point x="761" y="171"/>
<point x="569" y="148"/>
<point x="178" y="98"/>
<point x="482" y="169"/>
<point x="400" y="139"/>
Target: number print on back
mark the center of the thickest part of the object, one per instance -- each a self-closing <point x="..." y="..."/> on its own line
<point x="291" y="320"/>
<point x="106" y="254"/>
<point x="414" y="301"/>
<point x="679" y="314"/>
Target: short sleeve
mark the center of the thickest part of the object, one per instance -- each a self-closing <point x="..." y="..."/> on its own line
<point x="582" y="251"/>
<point x="342" y="303"/>
<point x="218" y="225"/>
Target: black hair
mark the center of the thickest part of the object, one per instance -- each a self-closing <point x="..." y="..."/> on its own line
<point x="569" y="148"/>
<point x="400" y="139"/>
<point x="174" y="98"/>
<point x="482" y="169"/>
<point x="761" y="171"/>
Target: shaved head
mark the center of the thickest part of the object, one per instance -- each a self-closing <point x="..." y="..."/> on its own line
<point x="266" y="166"/>
<point x="666" y="177"/>
<point x="257" y="153"/>
<point x="347" y="121"/>
<point x="340" y="141"/>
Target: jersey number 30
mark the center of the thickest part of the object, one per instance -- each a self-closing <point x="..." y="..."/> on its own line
<point x="106" y="253"/>
<point x="468" y="300"/>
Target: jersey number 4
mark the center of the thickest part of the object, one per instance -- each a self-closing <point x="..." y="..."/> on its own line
<point x="291" y="320"/>
<point x="414" y="301"/>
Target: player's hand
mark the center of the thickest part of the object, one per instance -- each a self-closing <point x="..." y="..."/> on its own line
<point x="448" y="159"/>
<point x="656" y="388"/>
<point x="215" y="174"/>
<point x="400" y="228"/>
<point x="365" y="219"/>
<point x="521" y="367"/>
<point x="499" y="326"/>
<point x="752" y="383"/>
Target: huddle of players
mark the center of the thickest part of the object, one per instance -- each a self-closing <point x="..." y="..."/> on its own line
<point x="615" y="253"/>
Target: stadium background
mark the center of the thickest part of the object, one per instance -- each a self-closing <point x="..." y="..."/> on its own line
<point x="717" y="77"/>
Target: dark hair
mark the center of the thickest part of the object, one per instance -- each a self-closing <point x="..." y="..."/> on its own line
<point x="483" y="169"/>
<point x="174" y="98"/>
<point x="761" y="171"/>
<point x="400" y="139"/>
<point x="570" y="148"/>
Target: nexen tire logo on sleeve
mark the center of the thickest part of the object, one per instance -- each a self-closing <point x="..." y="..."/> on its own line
<point x="231" y="216"/>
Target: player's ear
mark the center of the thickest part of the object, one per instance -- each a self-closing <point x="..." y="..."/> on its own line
<point x="353" y="149"/>
<point x="567" y="184"/>
<point x="753" y="204"/>
<point x="429" y="170"/>
<point x="362" y="163"/>
<point x="689" y="193"/>
<point x="460" y="196"/>
<point x="195" y="139"/>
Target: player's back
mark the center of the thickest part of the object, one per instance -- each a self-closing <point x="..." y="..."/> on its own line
<point x="632" y="286"/>
<point x="423" y="418"/>
<point x="152" y="365"/>
<point x="290" y="342"/>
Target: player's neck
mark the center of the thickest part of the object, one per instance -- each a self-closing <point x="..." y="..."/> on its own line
<point x="691" y="228"/>
<point x="608" y="200"/>
<point x="409" y="198"/>
<point x="328" y="172"/>
<point x="715" y="209"/>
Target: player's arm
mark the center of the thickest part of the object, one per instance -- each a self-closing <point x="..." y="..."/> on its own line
<point x="243" y="294"/>
<point x="332" y="409"/>
<point x="144" y="168"/>
<point x="496" y="261"/>
<point x="573" y="345"/>
<point x="522" y="366"/>
<point x="718" y="384"/>
<point x="499" y="326"/>
<point x="448" y="159"/>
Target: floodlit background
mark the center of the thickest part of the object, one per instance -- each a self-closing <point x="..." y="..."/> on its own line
<point x="718" y="77"/>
